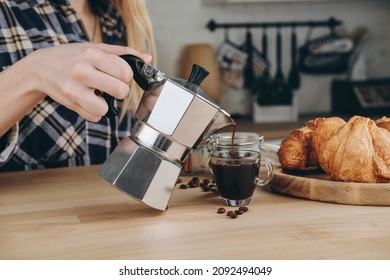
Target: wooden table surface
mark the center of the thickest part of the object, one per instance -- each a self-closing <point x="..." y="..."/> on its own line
<point x="72" y="213"/>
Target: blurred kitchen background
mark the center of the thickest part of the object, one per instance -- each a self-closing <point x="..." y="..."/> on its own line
<point x="354" y="79"/>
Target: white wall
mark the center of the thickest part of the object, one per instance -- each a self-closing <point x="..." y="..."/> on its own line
<point x="180" y="22"/>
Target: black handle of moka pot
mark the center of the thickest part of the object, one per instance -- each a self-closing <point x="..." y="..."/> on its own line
<point x="136" y="65"/>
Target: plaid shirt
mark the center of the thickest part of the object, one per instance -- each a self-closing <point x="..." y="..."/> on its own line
<point x="50" y="135"/>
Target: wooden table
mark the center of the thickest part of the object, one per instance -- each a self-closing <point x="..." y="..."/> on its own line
<point x="72" y="213"/>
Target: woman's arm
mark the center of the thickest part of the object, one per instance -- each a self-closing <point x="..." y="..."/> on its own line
<point x="69" y="74"/>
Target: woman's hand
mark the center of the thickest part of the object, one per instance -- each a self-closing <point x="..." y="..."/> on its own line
<point x="70" y="73"/>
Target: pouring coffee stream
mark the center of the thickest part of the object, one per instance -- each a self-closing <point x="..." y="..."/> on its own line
<point x="146" y="164"/>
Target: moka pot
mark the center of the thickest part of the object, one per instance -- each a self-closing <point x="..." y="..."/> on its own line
<point x="172" y="119"/>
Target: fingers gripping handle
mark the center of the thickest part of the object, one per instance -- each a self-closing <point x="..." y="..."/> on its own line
<point x="137" y="65"/>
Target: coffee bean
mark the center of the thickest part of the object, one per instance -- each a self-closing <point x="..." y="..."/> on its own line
<point x="233" y="215"/>
<point x="195" y="180"/>
<point x="243" y="208"/>
<point x="229" y="213"/>
<point x="221" y="210"/>
<point x="193" y="184"/>
<point x="239" y="212"/>
<point x="206" y="181"/>
<point x="178" y="181"/>
<point x="183" y="186"/>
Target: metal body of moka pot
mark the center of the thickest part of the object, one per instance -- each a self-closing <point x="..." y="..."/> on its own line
<point x="171" y="120"/>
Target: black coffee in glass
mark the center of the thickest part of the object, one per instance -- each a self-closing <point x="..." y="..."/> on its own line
<point x="236" y="174"/>
<point x="235" y="180"/>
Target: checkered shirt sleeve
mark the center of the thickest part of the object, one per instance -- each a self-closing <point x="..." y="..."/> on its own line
<point x="50" y="135"/>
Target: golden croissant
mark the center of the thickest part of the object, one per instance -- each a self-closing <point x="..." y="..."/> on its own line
<point x="297" y="151"/>
<point x="383" y="122"/>
<point x="353" y="151"/>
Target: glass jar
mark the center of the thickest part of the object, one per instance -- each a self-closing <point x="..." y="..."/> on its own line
<point x="243" y="140"/>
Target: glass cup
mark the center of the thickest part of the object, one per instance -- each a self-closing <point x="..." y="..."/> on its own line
<point x="236" y="174"/>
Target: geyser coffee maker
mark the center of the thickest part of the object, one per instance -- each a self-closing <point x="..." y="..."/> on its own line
<point x="172" y="119"/>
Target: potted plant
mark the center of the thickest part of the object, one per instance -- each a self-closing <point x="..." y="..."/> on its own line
<point x="272" y="100"/>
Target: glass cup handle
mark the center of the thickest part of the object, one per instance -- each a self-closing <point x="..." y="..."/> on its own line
<point x="270" y="173"/>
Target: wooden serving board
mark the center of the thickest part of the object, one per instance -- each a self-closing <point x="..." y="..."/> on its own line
<point x="315" y="185"/>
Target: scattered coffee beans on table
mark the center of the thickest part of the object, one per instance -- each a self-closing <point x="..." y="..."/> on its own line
<point x="234" y="214"/>
<point x="208" y="185"/>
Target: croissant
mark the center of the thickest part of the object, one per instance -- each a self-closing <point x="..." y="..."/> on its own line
<point x="359" y="151"/>
<point x="297" y="151"/>
<point x="325" y="130"/>
<point x="353" y="151"/>
<point x="383" y="122"/>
